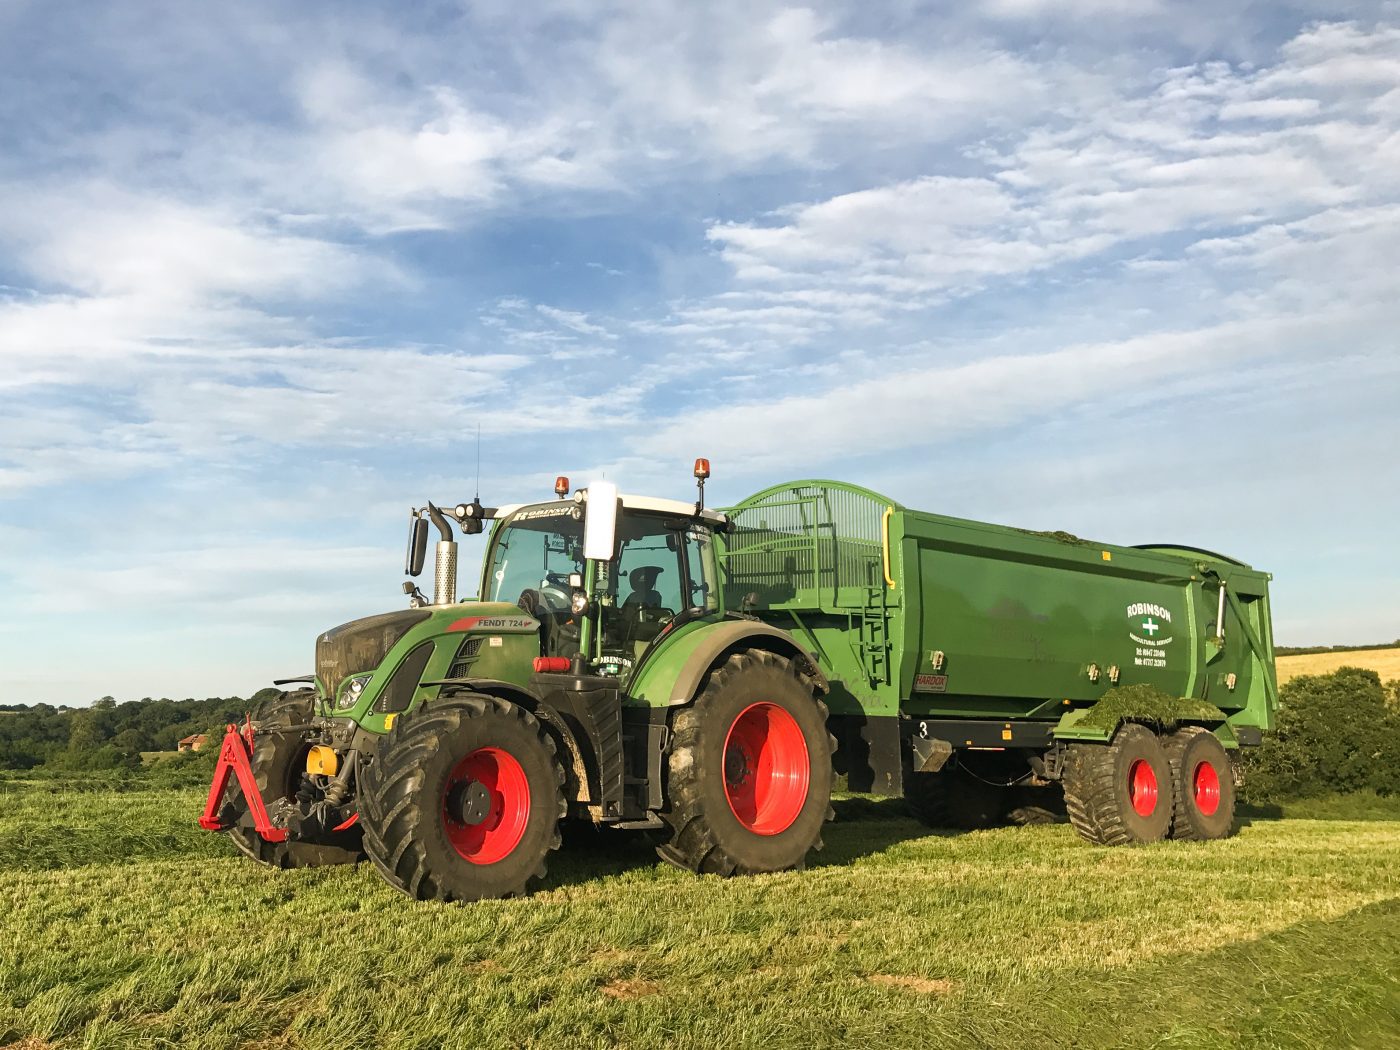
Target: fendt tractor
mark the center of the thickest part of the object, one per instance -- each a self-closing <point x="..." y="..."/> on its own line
<point x="644" y="663"/>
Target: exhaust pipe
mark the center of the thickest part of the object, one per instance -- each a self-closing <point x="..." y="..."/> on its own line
<point x="445" y="567"/>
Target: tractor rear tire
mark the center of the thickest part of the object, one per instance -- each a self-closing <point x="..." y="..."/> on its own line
<point x="279" y="765"/>
<point x="749" y="783"/>
<point x="1203" y="783"/>
<point x="463" y="800"/>
<point x="1120" y="794"/>
<point x="947" y="799"/>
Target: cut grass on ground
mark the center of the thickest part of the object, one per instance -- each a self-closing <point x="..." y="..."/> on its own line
<point x="1385" y="662"/>
<point x="1288" y="935"/>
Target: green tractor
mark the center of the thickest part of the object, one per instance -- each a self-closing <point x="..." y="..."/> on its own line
<point x="644" y="663"/>
<point x="598" y="679"/>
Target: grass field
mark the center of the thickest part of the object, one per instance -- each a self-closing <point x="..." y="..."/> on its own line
<point x="122" y="924"/>
<point x="1384" y="661"/>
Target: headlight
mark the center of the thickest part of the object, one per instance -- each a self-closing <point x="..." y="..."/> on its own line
<point x="350" y="695"/>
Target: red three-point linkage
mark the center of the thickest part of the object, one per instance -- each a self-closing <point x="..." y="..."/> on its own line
<point x="235" y="757"/>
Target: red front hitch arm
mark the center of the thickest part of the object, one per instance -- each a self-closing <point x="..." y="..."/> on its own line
<point x="235" y="756"/>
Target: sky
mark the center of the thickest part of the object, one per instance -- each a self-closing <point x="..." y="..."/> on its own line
<point x="1126" y="269"/>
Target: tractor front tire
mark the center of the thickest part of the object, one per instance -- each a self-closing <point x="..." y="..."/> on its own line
<point x="279" y="766"/>
<point x="463" y="800"/>
<point x="749" y="783"/>
<point x="948" y="800"/>
<point x="1204" y="785"/>
<point x="1120" y="793"/>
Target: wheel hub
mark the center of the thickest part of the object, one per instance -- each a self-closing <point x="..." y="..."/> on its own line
<point x="1206" y="788"/>
<point x="486" y="805"/>
<point x="469" y="802"/>
<point x="736" y="766"/>
<point x="1142" y="788"/>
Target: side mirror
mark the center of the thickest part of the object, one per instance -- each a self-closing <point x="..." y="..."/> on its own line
<point x="600" y="522"/>
<point x="417" y="547"/>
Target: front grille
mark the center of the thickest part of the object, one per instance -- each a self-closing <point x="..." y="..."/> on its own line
<point x="466" y="656"/>
<point x="361" y="645"/>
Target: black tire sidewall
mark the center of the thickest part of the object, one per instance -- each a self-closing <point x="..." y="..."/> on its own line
<point x="462" y="879"/>
<point x="1204" y="747"/>
<point x="764" y="683"/>
<point x="1135" y="743"/>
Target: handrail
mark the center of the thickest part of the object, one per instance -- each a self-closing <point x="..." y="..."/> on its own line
<point x="885" y="544"/>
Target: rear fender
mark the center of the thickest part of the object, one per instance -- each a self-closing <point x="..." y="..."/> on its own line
<point x="674" y="675"/>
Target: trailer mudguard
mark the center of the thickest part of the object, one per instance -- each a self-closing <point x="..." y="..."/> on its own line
<point x="1143" y="704"/>
<point x="673" y="675"/>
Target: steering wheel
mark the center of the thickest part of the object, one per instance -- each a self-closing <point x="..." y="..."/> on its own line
<point x="555" y="592"/>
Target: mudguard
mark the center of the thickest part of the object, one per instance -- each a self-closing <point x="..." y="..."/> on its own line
<point x="673" y="675"/>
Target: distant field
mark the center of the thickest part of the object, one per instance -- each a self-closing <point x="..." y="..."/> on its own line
<point x="1384" y="661"/>
<point x="123" y="925"/>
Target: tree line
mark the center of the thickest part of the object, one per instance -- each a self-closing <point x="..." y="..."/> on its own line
<point x="109" y="735"/>
<point x="1313" y="650"/>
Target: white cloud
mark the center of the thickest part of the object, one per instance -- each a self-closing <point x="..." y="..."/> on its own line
<point x="574" y="321"/>
<point x="1105" y="175"/>
<point x="893" y="409"/>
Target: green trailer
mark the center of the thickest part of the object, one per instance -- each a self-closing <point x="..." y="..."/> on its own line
<point x="634" y="662"/>
<point x="967" y="658"/>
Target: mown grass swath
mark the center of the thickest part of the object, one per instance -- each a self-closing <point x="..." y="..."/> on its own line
<point x="155" y="933"/>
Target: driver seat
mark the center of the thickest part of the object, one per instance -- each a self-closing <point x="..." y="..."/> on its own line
<point x="642" y="580"/>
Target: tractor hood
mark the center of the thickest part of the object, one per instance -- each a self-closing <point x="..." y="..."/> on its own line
<point x="361" y="645"/>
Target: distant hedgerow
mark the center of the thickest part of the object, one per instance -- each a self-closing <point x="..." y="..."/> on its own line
<point x="1336" y="732"/>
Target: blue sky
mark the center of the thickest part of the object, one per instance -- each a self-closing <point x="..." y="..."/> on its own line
<point x="1125" y="269"/>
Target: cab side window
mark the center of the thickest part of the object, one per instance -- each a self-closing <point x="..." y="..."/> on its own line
<point x="649" y="575"/>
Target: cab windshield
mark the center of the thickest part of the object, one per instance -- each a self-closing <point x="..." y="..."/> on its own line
<point x="533" y="556"/>
<point x="663" y="568"/>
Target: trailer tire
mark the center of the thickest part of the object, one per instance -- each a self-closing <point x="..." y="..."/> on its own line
<point x="946" y="800"/>
<point x="749" y="774"/>
<point x="1120" y="793"/>
<point x="279" y="761"/>
<point x="1203" y="785"/>
<point x="463" y="800"/>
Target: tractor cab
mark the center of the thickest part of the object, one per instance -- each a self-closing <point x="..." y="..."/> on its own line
<point x="651" y="568"/>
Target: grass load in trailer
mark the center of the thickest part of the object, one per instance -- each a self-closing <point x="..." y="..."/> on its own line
<point x="637" y="662"/>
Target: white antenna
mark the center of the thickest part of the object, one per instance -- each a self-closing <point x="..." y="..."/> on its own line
<point x="477" y="497"/>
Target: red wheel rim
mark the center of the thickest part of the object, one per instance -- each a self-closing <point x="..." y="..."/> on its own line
<point x="766" y="769"/>
<point x="1205" y="785"/>
<point x="503" y="826"/>
<point x="1142" y="788"/>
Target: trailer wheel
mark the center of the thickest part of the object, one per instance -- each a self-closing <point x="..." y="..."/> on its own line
<point x="1204" y="785"/>
<point x="750" y="771"/>
<point x="279" y="765"/>
<point x="462" y="800"/>
<point x="946" y="800"/>
<point x="1120" y="794"/>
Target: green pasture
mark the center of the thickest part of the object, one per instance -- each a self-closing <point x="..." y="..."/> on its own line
<point x="122" y="924"/>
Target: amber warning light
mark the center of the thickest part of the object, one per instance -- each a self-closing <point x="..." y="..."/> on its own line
<point x="702" y="469"/>
<point x="561" y="486"/>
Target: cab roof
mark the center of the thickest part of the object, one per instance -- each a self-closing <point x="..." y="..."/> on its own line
<point x="655" y="504"/>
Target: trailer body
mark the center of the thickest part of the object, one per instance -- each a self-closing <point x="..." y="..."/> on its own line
<point x="988" y="636"/>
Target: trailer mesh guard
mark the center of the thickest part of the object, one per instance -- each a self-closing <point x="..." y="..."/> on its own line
<point x="806" y="545"/>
